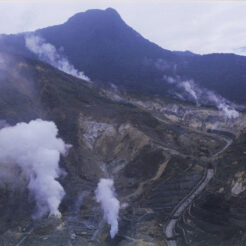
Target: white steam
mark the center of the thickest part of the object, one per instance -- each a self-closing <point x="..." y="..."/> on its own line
<point x="105" y="195"/>
<point x="202" y="96"/>
<point x="189" y="87"/>
<point x="170" y="79"/>
<point x="230" y="113"/>
<point x="35" y="149"/>
<point x="223" y="106"/>
<point x="48" y="53"/>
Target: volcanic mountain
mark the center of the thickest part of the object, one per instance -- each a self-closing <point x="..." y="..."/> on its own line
<point x="178" y="168"/>
<point x="102" y="45"/>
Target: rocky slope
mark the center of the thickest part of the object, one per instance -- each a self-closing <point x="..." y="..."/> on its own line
<point x="155" y="149"/>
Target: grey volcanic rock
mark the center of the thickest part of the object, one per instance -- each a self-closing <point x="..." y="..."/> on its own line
<point x="154" y="153"/>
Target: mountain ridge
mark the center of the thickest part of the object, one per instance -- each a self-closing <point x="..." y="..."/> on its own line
<point x="102" y="45"/>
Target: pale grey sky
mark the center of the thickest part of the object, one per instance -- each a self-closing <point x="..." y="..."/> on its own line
<point x="198" y="26"/>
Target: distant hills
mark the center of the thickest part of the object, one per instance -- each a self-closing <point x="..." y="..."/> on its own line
<point x="107" y="50"/>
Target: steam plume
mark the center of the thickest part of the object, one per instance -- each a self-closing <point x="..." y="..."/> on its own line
<point x="106" y="196"/>
<point x="35" y="149"/>
<point x="223" y="106"/>
<point x="48" y="53"/>
<point x="190" y="89"/>
<point x="202" y="96"/>
<point x="186" y="88"/>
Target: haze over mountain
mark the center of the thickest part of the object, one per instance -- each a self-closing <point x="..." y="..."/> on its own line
<point x="107" y="50"/>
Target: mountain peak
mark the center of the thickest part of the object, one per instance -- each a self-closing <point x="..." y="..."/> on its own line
<point x="98" y="14"/>
<point x="112" y="11"/>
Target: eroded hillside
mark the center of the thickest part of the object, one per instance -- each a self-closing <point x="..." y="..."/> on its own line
<point x="156" y="150"/>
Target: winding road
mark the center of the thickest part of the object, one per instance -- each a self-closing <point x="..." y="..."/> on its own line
<point x="169" y="229"/>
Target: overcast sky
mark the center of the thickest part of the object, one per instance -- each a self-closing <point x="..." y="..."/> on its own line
<point x="201" y="27"/>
